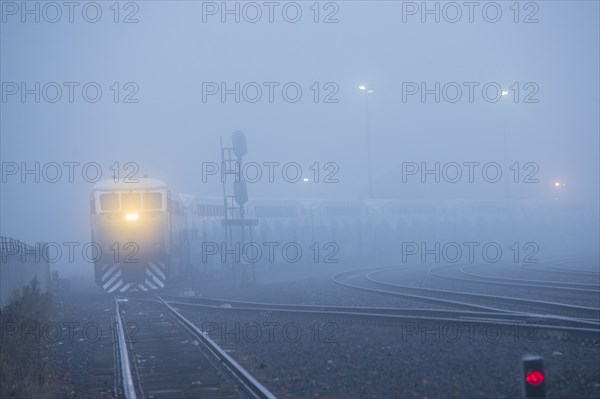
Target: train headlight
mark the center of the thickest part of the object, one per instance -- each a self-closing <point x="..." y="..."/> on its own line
<point x="132" y="216"/>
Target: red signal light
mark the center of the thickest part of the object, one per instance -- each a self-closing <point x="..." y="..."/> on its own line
<point x="534" y="377"/>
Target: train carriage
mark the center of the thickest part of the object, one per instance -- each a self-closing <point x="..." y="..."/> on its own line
<point x="148" y="235"/>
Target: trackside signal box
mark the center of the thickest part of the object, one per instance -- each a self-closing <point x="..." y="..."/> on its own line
<point x="533" y="377"/>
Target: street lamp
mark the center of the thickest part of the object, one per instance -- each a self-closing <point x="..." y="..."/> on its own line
<point x="364" y="88"/>
<point x="504" y="93"/>
<point x="558" y="187"/>
<point x="366" y="92"/>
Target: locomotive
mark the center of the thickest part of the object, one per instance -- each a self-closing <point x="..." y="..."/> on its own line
<point x="133" y="225"/>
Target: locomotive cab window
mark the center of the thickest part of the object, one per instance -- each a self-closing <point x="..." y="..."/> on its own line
<point x="152" y="201"/>
<point x="109" y="202"/>
<point x="131" y="201"/>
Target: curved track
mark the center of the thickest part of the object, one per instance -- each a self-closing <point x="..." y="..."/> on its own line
<point x="474" y="301"/>
<point x="574" y="319"/>
<point x="561" y="325"/>
<point x="515" y="282"/>
<point x="557" y="268"/>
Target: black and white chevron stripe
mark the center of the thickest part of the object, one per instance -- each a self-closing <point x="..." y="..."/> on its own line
<point x="112" y="278"/>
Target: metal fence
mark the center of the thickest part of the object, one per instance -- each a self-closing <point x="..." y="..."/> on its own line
<point x="9" y="245"/>
<point x="20" y="263"/>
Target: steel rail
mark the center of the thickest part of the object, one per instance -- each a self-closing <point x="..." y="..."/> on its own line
<point x="126" y="375"/>
<point x="590" y="313"/>
<point x="248" y="384"/>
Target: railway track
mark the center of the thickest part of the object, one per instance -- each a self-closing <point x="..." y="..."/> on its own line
<point x="173" y="358"/>
<point x="168" y="356"/>
<point x="557" y="268"/>
<point x="515" y="282"/>
<point x="576" y="271"/>
<point x="587" y="324"/>
<point x="574" y="288"/>
<point x="462" y="300"/>
<point x="561" y="325"/>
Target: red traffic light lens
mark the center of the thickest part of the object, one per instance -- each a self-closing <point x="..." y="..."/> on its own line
<point x="534" y="377"/>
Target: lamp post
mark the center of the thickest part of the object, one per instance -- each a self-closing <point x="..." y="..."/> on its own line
<point x="366" y="92"/>
<point x="505" y="139"/>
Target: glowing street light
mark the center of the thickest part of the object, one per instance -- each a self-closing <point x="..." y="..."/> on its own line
<point x="558" y="188"/>
<point x="364" y="88"/>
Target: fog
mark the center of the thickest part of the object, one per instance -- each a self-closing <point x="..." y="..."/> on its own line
<point x="170" y="60"/>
